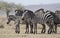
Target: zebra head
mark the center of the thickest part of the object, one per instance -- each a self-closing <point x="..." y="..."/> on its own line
<point x="18" y="12"/>
<point x="27" y="14"/>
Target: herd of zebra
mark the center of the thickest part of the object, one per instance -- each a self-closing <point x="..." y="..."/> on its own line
<point x="31" y="19"/>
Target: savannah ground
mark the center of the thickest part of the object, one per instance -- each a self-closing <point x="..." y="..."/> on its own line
<point x="8" y="31"/>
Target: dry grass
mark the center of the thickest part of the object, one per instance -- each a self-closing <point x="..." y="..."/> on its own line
<point x="9" y="31"/>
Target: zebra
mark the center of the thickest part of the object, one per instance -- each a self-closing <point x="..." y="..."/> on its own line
<point x="40" y="15"/>
<point x="28" y="16"/>
<point x="56" y="19"/>
<point x="48" y="18"/>
<point x="16" y="18"/>
<point x="27" y="24"/>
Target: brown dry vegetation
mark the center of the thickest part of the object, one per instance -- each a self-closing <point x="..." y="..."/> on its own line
<point x="8" y="31"/>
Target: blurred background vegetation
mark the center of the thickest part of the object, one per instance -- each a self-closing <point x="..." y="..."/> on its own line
<point x="10" y="6"/>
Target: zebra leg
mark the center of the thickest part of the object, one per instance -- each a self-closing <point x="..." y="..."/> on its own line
<point x="8" y="21"/>
<point x="17" y="27"/>
<point x="51" y="26"/>
<point x="50" y="29"/>
<point x="35" y="28"/>
<point x="55" y="28"/>
<point x="27" y="28"/>
<point x="44" y="28"/>
<point x="31" y="28"/>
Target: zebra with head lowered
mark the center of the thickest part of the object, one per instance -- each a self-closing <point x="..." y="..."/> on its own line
<point x="56" y="20"/>
<point x="48" y="18"/>
<point x="17" y="18"/>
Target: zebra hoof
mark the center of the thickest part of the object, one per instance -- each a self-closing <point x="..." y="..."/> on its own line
<point x="43" y="32"/>
<point x="7" y="23"/>
<point x="31" y="32"/>
<point x="26" y="32"/>
<point x="17" y="32"/>
<point x="35" y="33"/>
<point x="55" y="32"/>
<point x="49" y="32"/>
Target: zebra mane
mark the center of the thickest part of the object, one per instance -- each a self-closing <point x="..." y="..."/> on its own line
<point x="39" y="10"/>
<point x="30" y="13"/>
<point x="19" y="12"/>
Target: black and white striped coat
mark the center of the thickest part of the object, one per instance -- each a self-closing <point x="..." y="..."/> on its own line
<point x="46" y="18"/>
